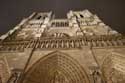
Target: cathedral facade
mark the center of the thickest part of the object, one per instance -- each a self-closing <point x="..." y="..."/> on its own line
<point x="79" y="49"/>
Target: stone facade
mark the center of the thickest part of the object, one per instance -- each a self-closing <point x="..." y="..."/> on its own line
<point x="79" y="49"/>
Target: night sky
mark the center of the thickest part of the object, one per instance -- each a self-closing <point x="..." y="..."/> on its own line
<point x="111" y="12"/>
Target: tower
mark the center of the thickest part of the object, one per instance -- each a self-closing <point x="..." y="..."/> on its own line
<point x="79" y="49"/>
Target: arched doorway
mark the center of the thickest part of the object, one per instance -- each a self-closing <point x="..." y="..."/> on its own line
<point x="113" y="68"/>
<point x="56" y="67"/>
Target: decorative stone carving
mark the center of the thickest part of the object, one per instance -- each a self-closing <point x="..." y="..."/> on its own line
<point x="113" y="68"/>
<point x="4" y="70"/>
<point x="14" y="76"/>
<point x="96" y="75"/>
<point x="82" y="31"/>
<point x="56" y="68"/>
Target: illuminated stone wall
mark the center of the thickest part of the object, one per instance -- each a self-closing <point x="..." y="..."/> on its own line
<point x="79" y="49"/>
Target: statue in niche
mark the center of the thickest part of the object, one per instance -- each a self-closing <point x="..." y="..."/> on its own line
<point x="97" y="77"/>
<point x="115" y="77"/>
<point x="13" y="78"/>
<point x="110" y="78"/>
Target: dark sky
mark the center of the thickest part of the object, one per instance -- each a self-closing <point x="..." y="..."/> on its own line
<point x="112" y="12"/>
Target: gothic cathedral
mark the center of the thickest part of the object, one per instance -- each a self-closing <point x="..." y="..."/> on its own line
<point x="79" y="49"/>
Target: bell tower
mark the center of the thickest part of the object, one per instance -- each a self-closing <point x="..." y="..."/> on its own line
<point x="78" y="49"/>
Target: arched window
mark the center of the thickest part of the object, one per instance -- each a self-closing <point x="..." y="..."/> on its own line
<point x="38" y="17"/>
<point x="81" y="16"/>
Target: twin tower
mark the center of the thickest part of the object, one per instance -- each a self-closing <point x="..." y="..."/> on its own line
<point x="79" y="49"/>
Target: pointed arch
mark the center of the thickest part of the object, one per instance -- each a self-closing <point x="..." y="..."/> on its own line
<point x="56" y="67"/>
<point x="113" y="68"/>
<point x="4" y="70"/>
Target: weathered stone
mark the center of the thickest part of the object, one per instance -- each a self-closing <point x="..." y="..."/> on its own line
<point x="79" y="49"/>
